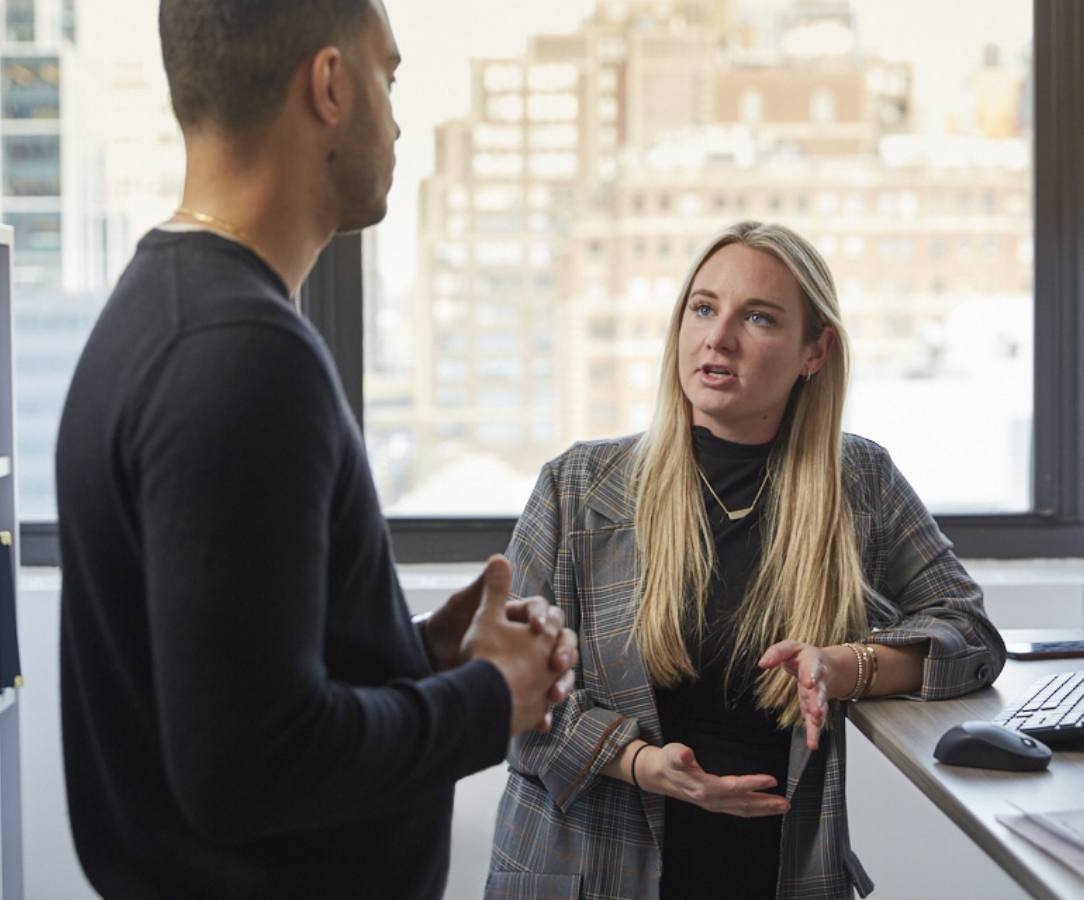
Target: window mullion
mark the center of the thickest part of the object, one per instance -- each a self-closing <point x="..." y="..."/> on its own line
<point x="332" y="298"/>
<point x="1059" y="259"/>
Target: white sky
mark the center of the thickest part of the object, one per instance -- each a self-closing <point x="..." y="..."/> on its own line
<point x="944" y="39"/>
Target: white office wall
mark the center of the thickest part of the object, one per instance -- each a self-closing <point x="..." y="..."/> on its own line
<point x="1031" y="593"/>
<point x="50" y="868"/>
<point x="910" y="848"/>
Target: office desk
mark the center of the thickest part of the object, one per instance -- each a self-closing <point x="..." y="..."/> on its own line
<point x="906" y="732"/>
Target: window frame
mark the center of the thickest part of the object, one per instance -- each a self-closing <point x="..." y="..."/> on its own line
<point x="333" y="298"/>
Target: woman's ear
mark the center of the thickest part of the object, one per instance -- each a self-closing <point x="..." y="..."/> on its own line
<point x="818" y="351"/>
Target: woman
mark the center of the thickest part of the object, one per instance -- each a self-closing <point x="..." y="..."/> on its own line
<point x="733" y="574"/>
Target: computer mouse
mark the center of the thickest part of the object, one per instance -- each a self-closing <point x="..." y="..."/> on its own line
<point x="985" y="745"/>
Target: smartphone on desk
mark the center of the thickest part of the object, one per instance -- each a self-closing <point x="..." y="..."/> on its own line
<point x="1065" y="649"/>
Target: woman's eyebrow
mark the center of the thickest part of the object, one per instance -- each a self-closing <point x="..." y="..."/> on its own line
<point x="751" y="301"/>
<point x="771" y="304"/>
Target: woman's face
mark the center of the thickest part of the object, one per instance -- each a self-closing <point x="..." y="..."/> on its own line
<point x="742" y="347"/>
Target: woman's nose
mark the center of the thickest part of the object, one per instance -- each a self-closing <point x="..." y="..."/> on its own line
<point x="721" y="335"/>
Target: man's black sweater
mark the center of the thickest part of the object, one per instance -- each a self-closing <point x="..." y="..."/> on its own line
<point x="247" y="710"/>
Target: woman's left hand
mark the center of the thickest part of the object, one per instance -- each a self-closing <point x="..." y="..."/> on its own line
<point x="819" y="673"/>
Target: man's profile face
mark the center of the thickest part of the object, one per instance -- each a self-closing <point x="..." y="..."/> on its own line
<point x="365" y="160"/>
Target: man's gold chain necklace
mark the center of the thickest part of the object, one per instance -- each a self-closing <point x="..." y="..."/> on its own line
<point x="231" y="229"/>
<point x="228" y="227"/>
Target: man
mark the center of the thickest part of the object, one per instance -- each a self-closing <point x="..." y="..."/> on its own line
<point x="248" y="710"/>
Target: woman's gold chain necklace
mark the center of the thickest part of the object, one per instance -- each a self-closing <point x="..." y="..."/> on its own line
<point x="737" y="513"/>
<point x="228" y="227"/>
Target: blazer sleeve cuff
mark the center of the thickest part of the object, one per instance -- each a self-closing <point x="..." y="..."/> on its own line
<point x="952" y="667"/>
<point x="587" y="748"/>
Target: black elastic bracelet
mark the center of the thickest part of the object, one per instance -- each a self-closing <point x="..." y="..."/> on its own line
<point x="633" y="766"/>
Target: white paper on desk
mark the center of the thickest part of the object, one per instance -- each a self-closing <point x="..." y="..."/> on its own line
<point x="1069" y="825"/>
<point x="1053" y="834"/>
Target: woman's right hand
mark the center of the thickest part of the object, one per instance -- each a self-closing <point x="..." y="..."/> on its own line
<point x="672" y="770"/>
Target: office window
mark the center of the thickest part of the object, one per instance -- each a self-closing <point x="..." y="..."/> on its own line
<point x="822" y="106"/>
<point x="32" y="165"/>
<point x="91" y="158"/>
<point x="554" y="137"/>
<point x="828" y="245"/>
<point x="19" y="20"/>
<point x="854" y="245"/>
<point x="827" y="202"/>
<point x="30" y="87"/>
<point x="452" y="397"/>
<point x="886" y="142"/>
<point x="502" y="136"/>
<point x="508" y="222"/>
<point x="752" y="107"/>
<point x="602" y="329"/>
<point x="505" y="108"/>
<point x="499" y="432"/>
<point x="918" y="110"/>
<point x="37" y="239"/>
<point x="68" y="20"/>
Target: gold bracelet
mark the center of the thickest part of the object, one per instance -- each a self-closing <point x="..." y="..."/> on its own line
<point x="865" y="673"/>
<point x="873" y="669"/>
<point x="862" y="680"/>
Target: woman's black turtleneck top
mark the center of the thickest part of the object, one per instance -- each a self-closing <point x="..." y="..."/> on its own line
<point x="714" y="854"/>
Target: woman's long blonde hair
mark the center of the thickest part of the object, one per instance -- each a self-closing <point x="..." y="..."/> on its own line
<point x="809" y="585"/>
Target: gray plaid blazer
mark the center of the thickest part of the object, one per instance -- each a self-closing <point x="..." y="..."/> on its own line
<point x="566" y="831"/>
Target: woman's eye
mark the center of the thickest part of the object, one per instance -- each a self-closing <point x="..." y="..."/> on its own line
<point x="759" y="318"/>
<point x="703" y="310"/>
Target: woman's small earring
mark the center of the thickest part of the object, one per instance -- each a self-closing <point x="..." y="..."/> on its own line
<point x="808" y="374"/>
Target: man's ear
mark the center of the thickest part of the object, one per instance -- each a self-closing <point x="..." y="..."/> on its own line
<point x="330" y="86"/>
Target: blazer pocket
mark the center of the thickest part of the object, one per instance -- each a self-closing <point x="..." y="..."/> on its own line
<point x="529" y="886"/>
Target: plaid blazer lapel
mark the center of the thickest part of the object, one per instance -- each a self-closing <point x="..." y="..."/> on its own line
<point x="606" y="564"/>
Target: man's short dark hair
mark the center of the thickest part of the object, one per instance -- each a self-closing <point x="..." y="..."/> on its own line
<point x="230" y="62"/>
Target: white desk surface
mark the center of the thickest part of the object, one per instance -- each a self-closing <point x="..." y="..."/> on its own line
<point x="906" y="732"/>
